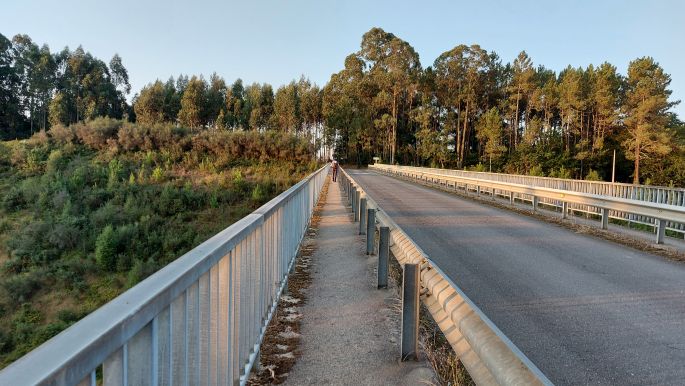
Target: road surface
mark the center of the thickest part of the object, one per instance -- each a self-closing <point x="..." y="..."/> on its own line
<point x="584" y="310"/>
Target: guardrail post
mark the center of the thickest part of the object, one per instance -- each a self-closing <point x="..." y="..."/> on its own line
<point x="352" y="194"/>
<point x="362" y="216"/>
<point x="605" y="218"/>
<point x="478" y="190"/>
<point x="511" y="198"/>
<point x="660" y="230"/>
<point x="355" y="205"/>
<point x="370" y="230"/>
<point x="410" y="312"/>
<point x="383" y="256"/>
<point x="535" y="203"/>
<point x="564" y="209"/>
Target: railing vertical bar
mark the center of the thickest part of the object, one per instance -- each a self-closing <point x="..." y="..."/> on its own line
<point x="161" y="341"/>
<point x="222" y="319"/>
<point x="113" y="369"/>
<point x="177" y="341"/>
<point x="213" y="324"/>
<point x="203" y="329"/>
<point x="139" y="365"/>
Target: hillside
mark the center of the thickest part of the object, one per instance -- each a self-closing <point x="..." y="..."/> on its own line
<point x="89" y="210"/>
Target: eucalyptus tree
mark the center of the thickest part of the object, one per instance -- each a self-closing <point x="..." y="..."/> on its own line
<point x="149" y="105"/>
<point x="193" y="103"/>
<point x="461" y="75"/>
<point x="394" y="66"/>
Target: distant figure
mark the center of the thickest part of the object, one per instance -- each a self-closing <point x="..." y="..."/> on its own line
<point x="334" y="169"/>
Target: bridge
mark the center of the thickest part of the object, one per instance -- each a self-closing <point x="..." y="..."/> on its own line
<point x="521" y="300"/>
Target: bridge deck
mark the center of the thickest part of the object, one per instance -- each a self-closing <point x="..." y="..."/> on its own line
<point x="584" y="310"/>
<point x="350" y="332"/>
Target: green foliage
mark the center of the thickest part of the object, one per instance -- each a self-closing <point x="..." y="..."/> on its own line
<point x="536" y="170"/>
<point x="593" y="175"/>
<point x="75" y="230"/>
<point x="106" y="249"/>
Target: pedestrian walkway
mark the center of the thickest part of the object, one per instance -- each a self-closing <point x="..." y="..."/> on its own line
<point x="350" y="330"/>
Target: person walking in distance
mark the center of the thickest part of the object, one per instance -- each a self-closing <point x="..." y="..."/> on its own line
<point x="334" y="170"/>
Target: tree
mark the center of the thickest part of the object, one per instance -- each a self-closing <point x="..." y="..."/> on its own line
<point x="460" y="77"/>
<point x="149" y="105"/>
<point x="489" y="130"/>
<point x="287" y="112"/>
<point x="520" y="89"/>
<point x="646" y="112"/>
<point x="216" y="96"/>
<point x="59" y="110"/>
<point x="11" y="119"/>
<point x="193" y="103"/>
<point x="395" y="67"/>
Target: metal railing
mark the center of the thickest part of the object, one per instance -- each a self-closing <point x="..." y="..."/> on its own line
<point x="488" y="355"/>
<point x="654" y="194"/>
<point x="199" y="320"/>
<point x="606" y="206"/>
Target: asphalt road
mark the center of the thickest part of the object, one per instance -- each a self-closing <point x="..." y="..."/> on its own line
<point x="584" y="310"/>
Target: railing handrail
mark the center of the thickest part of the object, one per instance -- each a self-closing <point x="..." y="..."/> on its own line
<point x="555" y="179"/>
<point x="71" y="355"/>
<point x="667" y="212"/>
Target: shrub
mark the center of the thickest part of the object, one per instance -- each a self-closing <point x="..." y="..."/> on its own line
<point x="106" y="249"/>
<point x="593" y="175"/>
<point x="97" y="132"/>
<point x="56" y="161"/>
<point x="140" y="270"/>
<point x="13" y="200"/>
<point x="158" y="174"/>
<point x="22" y="286"/>
<point x="62" y="134"/>
<point x="536" y="171"/>
<point x="259" y="194"/>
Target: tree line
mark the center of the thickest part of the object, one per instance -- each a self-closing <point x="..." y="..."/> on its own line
<point x="469" y="109"/>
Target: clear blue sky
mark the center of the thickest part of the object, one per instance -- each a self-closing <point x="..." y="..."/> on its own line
<point x="277" y="41"/>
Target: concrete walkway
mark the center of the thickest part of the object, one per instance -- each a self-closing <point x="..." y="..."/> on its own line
<point x="350" y="330"/>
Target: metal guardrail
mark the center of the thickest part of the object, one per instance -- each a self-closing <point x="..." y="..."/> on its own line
<point x="654" y="194"/>
<point x="199" y="320"/>
<point x="661" y="213"/>
<point x="488" y="355"/>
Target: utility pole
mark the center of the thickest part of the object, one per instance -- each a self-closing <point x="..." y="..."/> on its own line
<point x="613" y="168"/>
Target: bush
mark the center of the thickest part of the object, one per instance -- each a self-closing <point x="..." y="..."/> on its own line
<point x="140" y="270"/>
<point x="62" y="134"/>
<point x="22" y="286"/>
<point x="96" y="133"/>
<point x="593" y="175"/>
<point x="536" y="171"/>
<point x="106" y="249"/>
<point x="259" y="194"/>
<point x="158" y="174"/>
<point x="13" y="200"/>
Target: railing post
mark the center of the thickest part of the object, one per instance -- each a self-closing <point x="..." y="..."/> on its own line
<point x="511" y="198"/>
<point x="660" y="230"/>
<point x="410" y="312"/>
<point x="564" y="209"/>
<point x="535" y="203"/>
<point x="478" y="190"/>
<point x="370" y="230"/>
<point x="355" y="204"/>
<point x="362" y="216"/>
<point x="605" y="218"/>
<point x="383" y="256"/>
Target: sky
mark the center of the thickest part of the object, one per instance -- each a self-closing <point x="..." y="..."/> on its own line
<point x="276" y="41"/>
